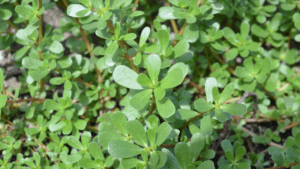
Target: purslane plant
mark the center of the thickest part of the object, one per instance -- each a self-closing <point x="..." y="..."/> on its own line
<point x="183" y="84"/>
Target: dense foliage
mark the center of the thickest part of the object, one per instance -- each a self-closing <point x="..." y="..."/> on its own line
<point x="177" y="84"/>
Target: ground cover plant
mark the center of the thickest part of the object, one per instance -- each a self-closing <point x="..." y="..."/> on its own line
<point x="177" y="84"/>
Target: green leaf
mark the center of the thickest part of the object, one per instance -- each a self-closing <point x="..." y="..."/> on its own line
<point x="153" y="65"/>
<point x="123" y="149"/>
<point x="227" y="146"/>
<point x="141" y="99"/>
<point x="57" y="126"/>
<point x="186" y="114"/>
<point x="191" y="32"/>
<point x="229" y="156"/>
<point x="159" y="93"/>
<point x="24" y="10"/>
<point x="56" y="47"/>
<point x="57" y="80"/>
<point x="234" y="109"/>
<point x="73" y="158"/>
<point x="258" y="31"/>
<point x="5" y="14"/>
<point x="88" y="163"/>
<point x="126" y="77"/>
<point x="163" y="132"/>
<point x="31" y="63"/>
<point x="196" y="145"/>
<point x="74" y="142"/>
<point x="151" y="133"/>
<point x="128" y="163"/>
<point x="220" y="115"/>
<point x="129" y="36"/>
<point x="154" y="158"/>
<point x="239" y="153"/>
<point x="226" y="93"/>
<point x="80" y="124"/>
<point x="181" y="47"/>
<point x="278" y="157"/>
<point x="202" y="106"/>
<point x="173" y="79"/>
<point x="166" y="13"/>
<point x="144" y="80"/>
<point x="245" y="29"/>
<point x="144" y="36"/>
<point x="119" y="120"/>
<point x="111" y="49"/>
<point x="206" y="126"/>
<point x="165" y="107"/>
<point x="271" y="82"/>
<point x="209" y="84"/>
<point x="153" y="121"/>
<point x="1" y="80"/>
<point x="73" y="10"/>
<point x="231" y="53"/>
<point x="107" y="133"/>
<point x="3" y="99"/>
<point x="162" y="159"/>
<point x="136" y="130"/>
<point x="95" y="151"/>
<point x="51" y="105"/>
<point x="207" y="165"/>
<point x="65" y="62"/>
<point x="39" y="74"/>
<point x="182" y="153"/>
<point x="163" y="37"/>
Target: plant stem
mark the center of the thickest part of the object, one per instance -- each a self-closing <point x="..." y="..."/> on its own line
<point x="270" y="144"/>
<point x="286" y="166"/>
<point x="26" y="100"/>
<point x="199" y="88"/>
<point x="267" y="92"/>
<point x="136" y="2"/>
<point x="12" y="25"/>
<point x="123" y="45"/>
<point x="188" y="122"/>
<point x="42" y="82"/>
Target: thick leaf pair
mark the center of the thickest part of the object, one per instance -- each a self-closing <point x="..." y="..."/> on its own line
<point x="187" y="153"/>
<point x="213" y="95"/>
<point x="86" y="150"/>
<point x="242" y="45"/>
<point x="120" y="131"/>
<point x="251" y="74"/>
<point x="130" y="79"/>
<point x="234" y="160"/>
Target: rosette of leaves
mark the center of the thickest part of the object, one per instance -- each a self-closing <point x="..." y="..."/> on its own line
<point x="283" y="157"/>
<point x="220" y="73"/>
<point x="40" y="129"/>
<point x="266" y="137"/>
<point x="261" y="11"/>
<point x="240" y="7"/>
<point x="242" y="44"/>
<point x="128" y="78"/>
<point x="287" y="56"/>
<point x="118" y="135"/>
<point x="9" y="144"/>
<point x="66" y="117"/>
<point x="186" y="154"/>
<point x="213" y="36"/>
<point x="234" y="156"/>
<point x="252" y="74"/>
<point x="57" y="145"/>
<point x="270" y="33"/>
<point x="188" y="10"/>
<point x="214" y="102"/>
